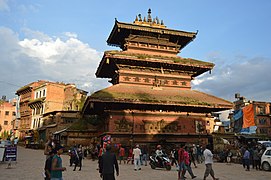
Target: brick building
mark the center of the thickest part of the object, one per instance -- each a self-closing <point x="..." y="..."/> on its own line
<point x="39" y="99"/>
<point x="7" y="115"/>
<point x="262" y="120"/>
<point x="151" y="100"/>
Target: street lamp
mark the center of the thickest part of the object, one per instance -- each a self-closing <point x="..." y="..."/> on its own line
<point x="132" y="136"/>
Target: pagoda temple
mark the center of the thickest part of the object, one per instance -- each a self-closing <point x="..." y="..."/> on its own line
<point x="151" y="100"/>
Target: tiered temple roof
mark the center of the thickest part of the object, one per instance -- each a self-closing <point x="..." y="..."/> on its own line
<point x="148" y="75"/>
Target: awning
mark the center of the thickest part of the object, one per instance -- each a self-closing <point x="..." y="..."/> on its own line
<point x="61" y="131"/>
<point x="51" y="125"/>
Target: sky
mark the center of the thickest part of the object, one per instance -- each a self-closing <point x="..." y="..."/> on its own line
<point x="64" y="41"/>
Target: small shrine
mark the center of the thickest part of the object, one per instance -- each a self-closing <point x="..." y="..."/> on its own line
<point x="151" y="100"/>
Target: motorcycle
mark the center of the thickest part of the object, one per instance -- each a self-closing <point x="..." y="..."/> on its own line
<point x="160" y="162"/>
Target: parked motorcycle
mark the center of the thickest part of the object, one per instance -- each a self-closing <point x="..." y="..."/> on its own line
<point x="160" y="162"/>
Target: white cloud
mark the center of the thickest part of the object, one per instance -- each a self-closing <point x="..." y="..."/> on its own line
<point x="250" y="77"/>
<point x="45" y="57"/>
<point x="4" y="5"/>
<point x="67" y="59"/>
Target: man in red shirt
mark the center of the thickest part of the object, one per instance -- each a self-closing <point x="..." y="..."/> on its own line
<point x="181" y="170"/>
<point x="121" y="154"/>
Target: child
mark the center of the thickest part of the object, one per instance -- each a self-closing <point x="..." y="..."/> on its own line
<point x="56" y="171"/>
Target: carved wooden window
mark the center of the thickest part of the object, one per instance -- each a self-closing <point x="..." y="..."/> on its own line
<point x="175" y="82"/>
<point x="261" y="109"/>
<point x="263" y="130"/>
<point x="137" y="79"/>
<point x="166" y="82"/>
<point x="262" y="121"/>
<point x="184" y="83"/>
<point x="147" y="80"/>
<point x="126" y="78"/>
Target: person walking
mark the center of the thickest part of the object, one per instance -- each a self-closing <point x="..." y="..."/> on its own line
<point x="208" y="160"/>
<point x="48" y="165"/>
<point x="50" y="143"/>
<point x="187" y="163"/>
<point x="121" y="154"/>
<point x="192" y="155"/>
<point x="257" y="158"/>
<point x="56" y="171"/>
<point x="246" y="159"/>
<point x="78" y="157"/>
<point x="108" y="164"/>
<point x="181" y="169"/>
<point x="137" y="153"/>
<point x="130" y="156"/>
<point x="174" y="157"/>
<point x="144" y="155"/>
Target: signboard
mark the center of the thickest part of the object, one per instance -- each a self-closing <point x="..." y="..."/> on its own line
<point x="11" y="153"/>
<point x="2" y="152"/>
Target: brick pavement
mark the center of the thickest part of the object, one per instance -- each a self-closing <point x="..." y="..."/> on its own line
<point x="30" y="166"/>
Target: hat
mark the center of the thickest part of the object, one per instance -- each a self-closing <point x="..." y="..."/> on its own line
<point x="59" y="147"/>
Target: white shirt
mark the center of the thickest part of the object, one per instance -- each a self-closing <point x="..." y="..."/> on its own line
<point x="159" y="152"/>
<point x="136" y="153"/>
<point x="208" y="155"/>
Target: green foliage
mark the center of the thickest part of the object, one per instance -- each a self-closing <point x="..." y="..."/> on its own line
<point x="144" y="97"/>
<point x="95" y="120"/>
<point x="86" y="122"/>
<point x="81" y="124"/>
<point x="177" y="59"/>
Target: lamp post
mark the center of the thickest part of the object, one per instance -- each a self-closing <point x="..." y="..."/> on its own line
<point x="132" y="135"/>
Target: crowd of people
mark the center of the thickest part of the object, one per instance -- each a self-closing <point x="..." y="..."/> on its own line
<point x="184" y="158"/>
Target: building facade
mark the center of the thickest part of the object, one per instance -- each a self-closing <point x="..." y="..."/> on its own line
<point x="262" y="116"/>
<point x="40" y="98"/>
<point x="151" y="99"/>
<point x="7" y="116"/>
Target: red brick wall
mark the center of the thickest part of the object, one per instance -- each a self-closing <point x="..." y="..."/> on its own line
<point x="160" y="122"/>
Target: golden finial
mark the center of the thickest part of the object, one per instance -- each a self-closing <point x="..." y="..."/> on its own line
<point x="140" y="19"/>
<point x="149" y="16"/>
<point x="157" y="20"/>
<point x="162" y="22"/>
<point x="136" y="19"/>
<point x="144" y="20"/>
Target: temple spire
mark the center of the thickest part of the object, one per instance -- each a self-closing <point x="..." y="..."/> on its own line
<point x="148" y="21"/>
<point x="149" y="16"/>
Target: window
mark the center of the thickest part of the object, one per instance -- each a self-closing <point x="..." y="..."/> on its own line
<point x="136" y="79"/>
<point x="37" y="94"/>
<point x="262" y="121"/>
<point x="263" y="130"/>
<point x="261" y="109"/>
<point x="7" y="113"/>
<point x="175" y="82"/>
<point x="268" y="152"/>
<point x="43" y="92"/>
<point x="13" y="113"/>
<point x="5" y="122"/>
